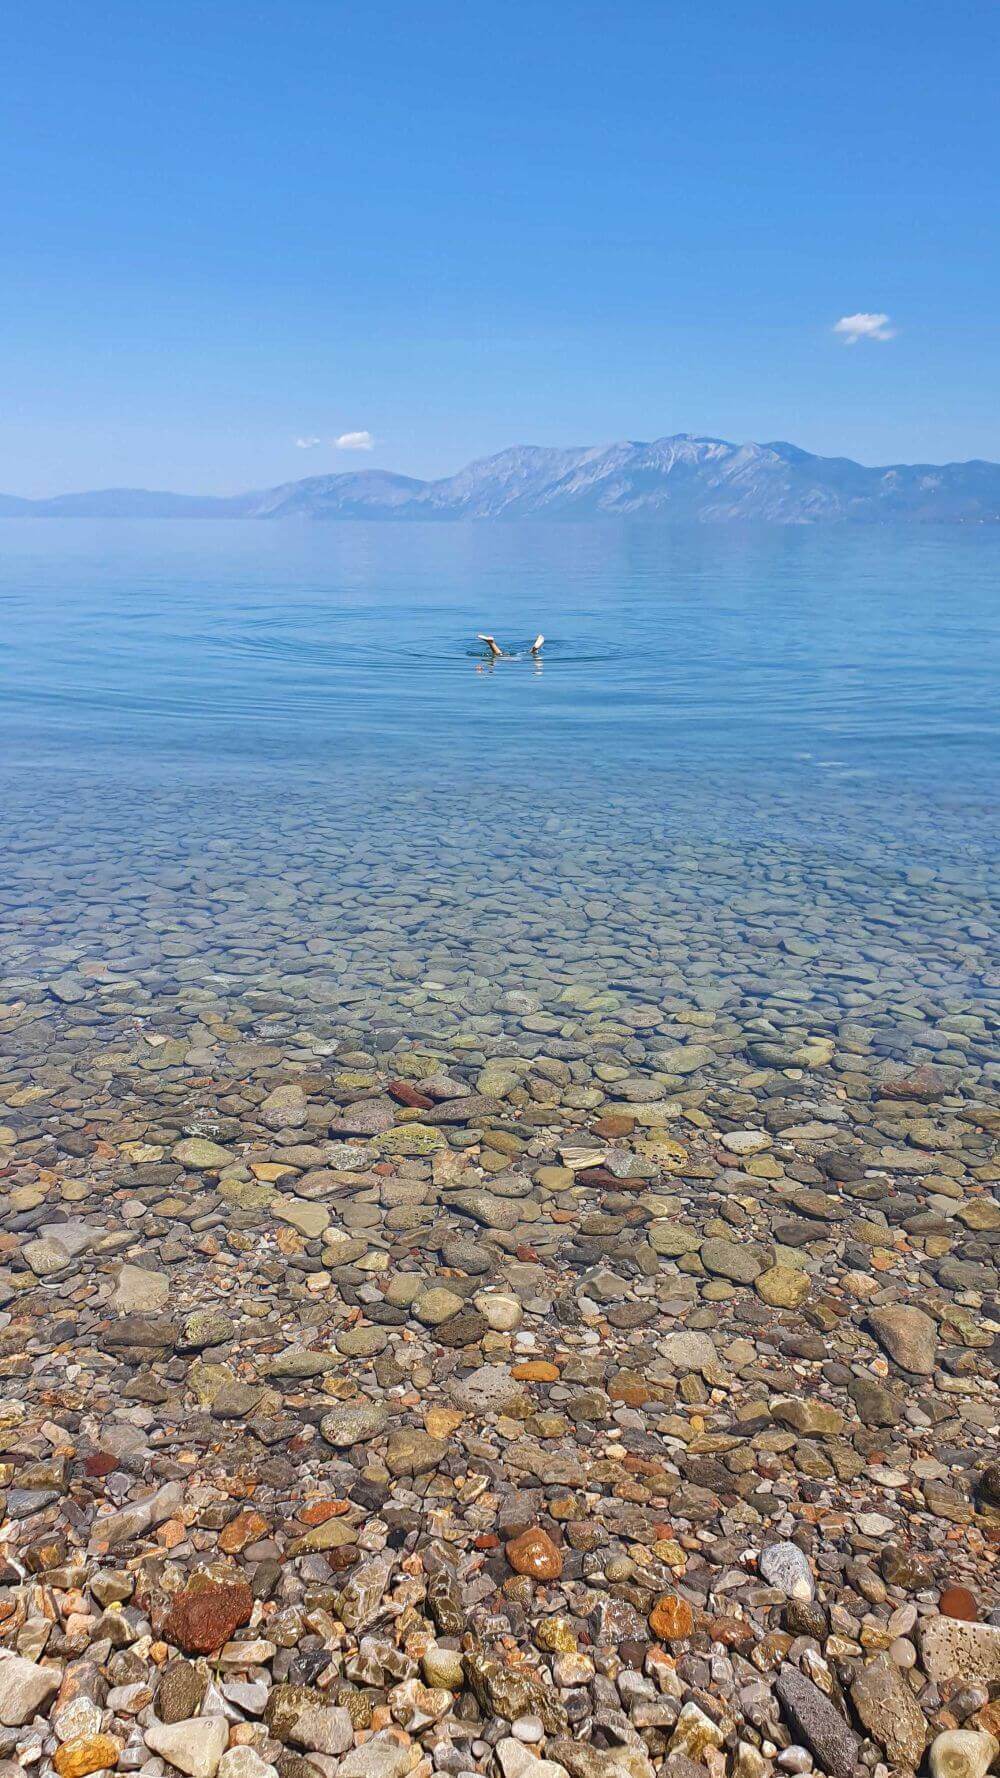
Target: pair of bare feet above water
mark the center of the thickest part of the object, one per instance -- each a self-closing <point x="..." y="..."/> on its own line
<point x="497" y="653"/>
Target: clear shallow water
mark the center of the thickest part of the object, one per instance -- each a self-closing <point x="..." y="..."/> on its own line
<point x="754" y="771"/>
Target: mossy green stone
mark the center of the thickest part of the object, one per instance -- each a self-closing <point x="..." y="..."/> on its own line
<point x="246" y="1194"/>
<point x="410" y="1140"/>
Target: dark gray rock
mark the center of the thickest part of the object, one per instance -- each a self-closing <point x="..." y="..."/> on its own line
<point x="818" y="1723"/>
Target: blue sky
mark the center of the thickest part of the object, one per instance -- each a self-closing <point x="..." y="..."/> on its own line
<point x="454" y="227"/>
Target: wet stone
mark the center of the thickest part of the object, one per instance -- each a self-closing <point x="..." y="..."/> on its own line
<point x="207" y="1612"/>
<point x="534" y="1554"/>
<point x="181" y="1690"/>
<point x="783" y="1565"/>
<point x="821" y="1726"/>
<point x="411" y="1452"/>
<point x="889" y="1711"/>
<point x="354" y="1423"/>
<point x="908" y="1335"/>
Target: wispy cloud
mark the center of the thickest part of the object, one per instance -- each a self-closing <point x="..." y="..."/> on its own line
<point x="853" y="328"/>
<point x="348" y="441"/>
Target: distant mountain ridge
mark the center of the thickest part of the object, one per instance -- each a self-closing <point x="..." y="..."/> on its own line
<point x="684" y="478"/>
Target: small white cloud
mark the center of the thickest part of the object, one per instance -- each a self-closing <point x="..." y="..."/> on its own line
<point x="853" y="328"/>
<point x="354" y="441"/>
<point x="307" y="444"/>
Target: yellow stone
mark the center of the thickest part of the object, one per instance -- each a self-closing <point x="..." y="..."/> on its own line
<point x="207" y="1379"/>
<point x="783" y="1287"/>
<point x="86" y="1753"/>
<point x="764" y="1166"/>
<point x="26" y="1197"/>
<point x="441" y="1422"/>
<point x="504" y="1142"/>
<point x="668" y="1551"/>
<point x="137" y="1152"/>
<point x="373" y="1262"/>
<point x="492" y="1162"/>
<point x="556" y="1178"/>
<point x="556" y="1636"/>
<point x="671" y="1154"/>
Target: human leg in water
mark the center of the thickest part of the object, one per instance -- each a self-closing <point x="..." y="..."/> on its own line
<point x="499" y="653"/>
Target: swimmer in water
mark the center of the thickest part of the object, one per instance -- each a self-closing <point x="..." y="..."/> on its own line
<point x="499" y="654"/>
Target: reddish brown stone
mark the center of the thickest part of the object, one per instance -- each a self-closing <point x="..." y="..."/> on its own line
<point x="671" y="1618"/>
<point x="924" y="1083"/>
<point x="603" y="1176"/>
<point x="733" y="1632"/>
<point x="604" y="1180"/>
<point x="534" y="1554"/>
<point x="958" y="1602"/>
<point x="404" y="1094"/>
<point x="632" y="1392"/>
<point x="318" y="1511"/>
<point x="633" y="1654"/>
<point x="207" y="1613"/>
<point x="247" y="1527"/>
<point x="642" y="1465"/>
<point x="99" y="1463"/>
<point x="614" y="1124"/>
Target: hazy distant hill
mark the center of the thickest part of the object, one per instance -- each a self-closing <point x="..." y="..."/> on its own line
<point x="681" y="479"/>
<point x="130" y="503"/>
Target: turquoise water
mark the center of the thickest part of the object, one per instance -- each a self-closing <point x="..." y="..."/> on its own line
<point x="754" y="770"/>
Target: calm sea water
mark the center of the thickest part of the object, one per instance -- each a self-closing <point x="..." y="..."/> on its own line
<point x="739" y="747"/>
<point x="141" y="646"/>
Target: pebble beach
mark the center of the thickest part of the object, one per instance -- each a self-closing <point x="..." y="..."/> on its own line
<point x="497" y="1278"/>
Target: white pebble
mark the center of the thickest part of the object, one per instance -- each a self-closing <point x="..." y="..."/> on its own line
<point x="528" y="1728"/>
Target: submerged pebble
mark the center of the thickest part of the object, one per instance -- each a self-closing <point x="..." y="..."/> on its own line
<point x="453" y="1324"/>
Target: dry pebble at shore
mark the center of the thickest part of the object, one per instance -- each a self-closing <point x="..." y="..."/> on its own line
<point x="581" y="1365"/>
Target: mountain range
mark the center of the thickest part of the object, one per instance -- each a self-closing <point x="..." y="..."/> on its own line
<point x="681" y="479"/>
